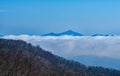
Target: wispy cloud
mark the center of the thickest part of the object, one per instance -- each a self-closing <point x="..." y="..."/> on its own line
<point x="69" y="45"/>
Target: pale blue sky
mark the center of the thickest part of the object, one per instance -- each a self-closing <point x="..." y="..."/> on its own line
<point x="43" y="16"/>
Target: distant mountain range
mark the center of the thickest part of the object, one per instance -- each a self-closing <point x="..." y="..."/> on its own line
<point x="97" y="61"/>
<point x="72" y="33"/>
<point x="102" y="35"/>
<point x="68" y="32"/>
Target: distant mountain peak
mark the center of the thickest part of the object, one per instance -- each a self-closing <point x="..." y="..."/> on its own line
<point x="50" y="34"/>
<point x="68" y="32"/>
<point x="102" y="35"/>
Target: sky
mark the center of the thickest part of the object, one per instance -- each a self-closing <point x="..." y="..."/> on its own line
<point x="36" y="17"/>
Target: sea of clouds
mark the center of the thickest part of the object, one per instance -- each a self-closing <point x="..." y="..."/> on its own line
<point x="102" y="46"/>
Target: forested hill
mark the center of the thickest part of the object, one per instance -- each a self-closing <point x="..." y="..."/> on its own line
<point x="18" y="58"/>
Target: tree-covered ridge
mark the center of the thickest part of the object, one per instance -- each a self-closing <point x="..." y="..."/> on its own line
<point x="18" y="58"/>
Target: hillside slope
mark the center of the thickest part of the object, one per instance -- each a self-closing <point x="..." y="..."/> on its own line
<point x="18" y="58"/>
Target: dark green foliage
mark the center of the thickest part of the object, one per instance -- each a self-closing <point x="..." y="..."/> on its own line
<point x="17" y="58"/>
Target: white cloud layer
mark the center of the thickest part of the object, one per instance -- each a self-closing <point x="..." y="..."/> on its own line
<point x="103" y="46"/>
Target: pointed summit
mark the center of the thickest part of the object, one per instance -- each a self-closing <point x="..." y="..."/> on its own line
<point x="72" y="33"/>
<point x="68" y="32"/>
